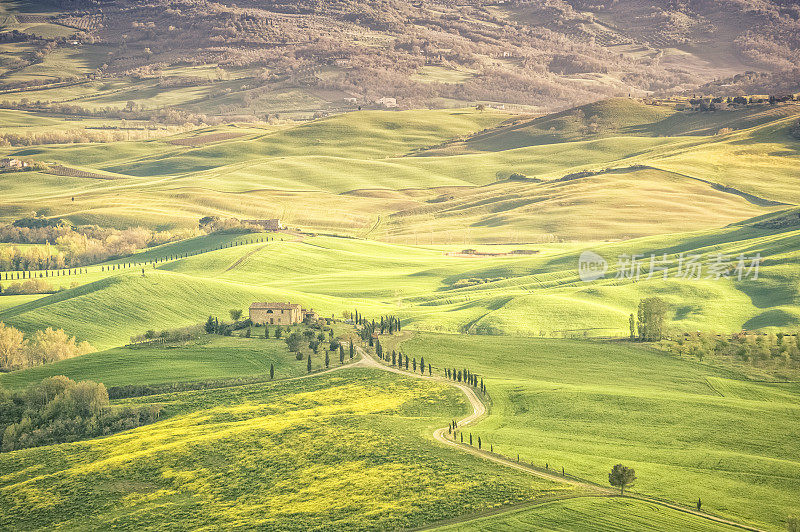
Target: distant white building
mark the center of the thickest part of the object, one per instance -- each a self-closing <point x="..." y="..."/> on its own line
<point x="13" y="163"/>
<point x="351" y="100"/>
<point x="387" y="102"/>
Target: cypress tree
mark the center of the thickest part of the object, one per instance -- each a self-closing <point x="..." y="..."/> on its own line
<point x="351" y="349"/>
<point x="479" y="442"/>
<point x="406" y="361"/>
<point x="422" y="364"/>
<point x="341" y="354"/>
<point x="308" y="366"/>
<point x="430" y="371"/>
<point x="327" y="359"/>
<point x="414" y="364"/>
<point x="470" y="438"/>
<point x="271" y="371"/>
<point x="462" y="437"/>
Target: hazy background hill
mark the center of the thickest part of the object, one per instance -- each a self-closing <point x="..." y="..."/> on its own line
<point x="278" y="56"/>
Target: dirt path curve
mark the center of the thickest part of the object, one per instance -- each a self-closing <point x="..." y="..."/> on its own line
<point x="479" y="410"/>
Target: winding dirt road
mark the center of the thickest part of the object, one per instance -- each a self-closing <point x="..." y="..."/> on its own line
<point x="479" y="410"/>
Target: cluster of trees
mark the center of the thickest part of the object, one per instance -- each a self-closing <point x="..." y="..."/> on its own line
<point x="314" y="340"/>
<point x="74" y="245"/>
<point x="82" y="136"/>
<point x="217" y="224"/>
<point x="652" y="314"/>
<point x="214" y="326"/>
<point x="49" y="345"/>
<point x="59" y="409"/>
<point x="753" y="348"/>
<point x="369" y="328"/>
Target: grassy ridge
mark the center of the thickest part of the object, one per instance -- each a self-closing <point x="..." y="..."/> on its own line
<point x="214" y="357"/>
<point x="588" y="405"/>
<point x="348" y="450"/>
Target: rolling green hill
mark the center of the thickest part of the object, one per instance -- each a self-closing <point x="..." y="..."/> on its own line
<point x="361" y="174"/>
<point x="529" y="295"/>
<point x="349" y="449"/>
<point x="588" y="405"/>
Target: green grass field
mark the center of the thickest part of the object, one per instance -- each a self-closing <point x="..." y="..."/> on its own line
<point x="347" y="450"/>
<point x="586" y="406"/>
<point x="212" y="357"/>
<point x="588" y="514"/>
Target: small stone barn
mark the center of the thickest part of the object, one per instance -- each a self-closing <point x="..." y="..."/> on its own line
<point x="276" y="313"/>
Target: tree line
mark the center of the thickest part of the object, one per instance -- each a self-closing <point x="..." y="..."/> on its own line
<point x="68" y="246"/>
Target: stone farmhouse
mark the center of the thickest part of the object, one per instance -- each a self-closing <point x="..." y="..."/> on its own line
<point x="276" y="313"/>
<point x="280" y="314"/>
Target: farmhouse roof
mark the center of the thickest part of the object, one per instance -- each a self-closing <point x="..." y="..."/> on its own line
<point x="281" y="306"/>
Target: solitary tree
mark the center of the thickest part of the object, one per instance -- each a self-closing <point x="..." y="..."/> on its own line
<point x="632" y="324"/>
<point x="308" y="366"/>
<point x="266" y="332"/>
<point x="293" y="342"/>
<point x="210" y="325"/>
<point x="621" y="477"/>
<point x="327" y="359"/>
<point x="271" y="371"/>
<point x="278" y="332"/>
<point x="236" y="313"/>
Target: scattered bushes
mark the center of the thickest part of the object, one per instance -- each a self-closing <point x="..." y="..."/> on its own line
<point x="183" y="334"/>
<point x="473" y="281"/>
<point x="29" y="286"/>
<point x="17" y="352"/>
<point x="58" y="410"/>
